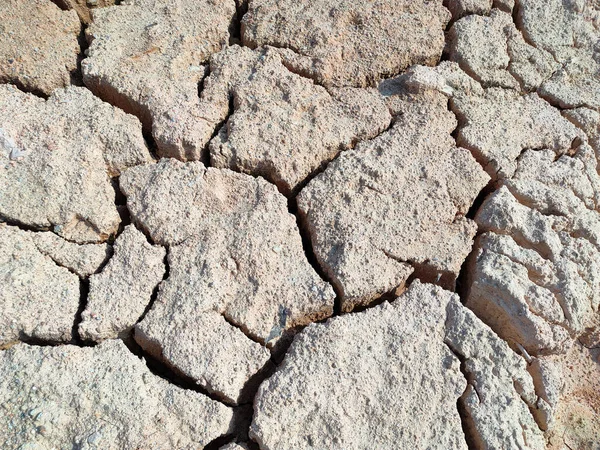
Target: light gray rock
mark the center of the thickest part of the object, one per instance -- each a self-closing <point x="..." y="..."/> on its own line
<point x="56" y="173"/>
<point x="119" y="294"/>
<point x="284" y="127"/>
<point x="461" y="8"/>
<point x="499" y="125"/>
<point x="395" y="204"/>
<point x="38" y="299"/>
<point x="148" y="57"/>
<point x="588" y="121"/>
<point x="547" y="379"/>
<point x="83" y="259"/>
<point x="536" y="276"/>
<point x="494" y="52"/>
<point x="38" y="45"/>
<point x="500" y="393"/>
<point x="479" y="45"/>
<point x="99" y="397"/>
<point x="236" y="265"/>
<point x="350" y="382"/>
<point x="569" y="30"/>
<point x="345" y="43"/>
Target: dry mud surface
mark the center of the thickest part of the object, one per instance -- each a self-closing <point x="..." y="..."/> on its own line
<point x="283" y="224"/>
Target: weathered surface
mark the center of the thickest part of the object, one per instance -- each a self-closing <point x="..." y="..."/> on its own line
<point x="100" y="397"/>
<point x="56" y="159"/>
<point x="577" y="419"/>
<point x="348" y="383"/>
<point x="536" y="276"/>
<point x="84" y="8"/>
<point x="83" y="259"/>
<point x="284" y="127"/>
<point x="500" y="393"/>
<point x="460" y="8"/>
<point x="38" y="45"/>
<point x="334" y="40"/>
<point x="152" y="67"/>
<point x="499" y="125"/>
<point x="119" y="295"/>
<point x="496" y="124"/>
<point x="494" y="52"/>
<point x="38" y="299"/>
<point x="251" y="272"/>
<point x="395" y="203"/>
<point x="569" y="30"/>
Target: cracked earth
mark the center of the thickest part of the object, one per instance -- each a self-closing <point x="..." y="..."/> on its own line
<point x="283" y="224"/>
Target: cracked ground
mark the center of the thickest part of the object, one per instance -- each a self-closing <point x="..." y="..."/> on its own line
<point x="288" y="224"/>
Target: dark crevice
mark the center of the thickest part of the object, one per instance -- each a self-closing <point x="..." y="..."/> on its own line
<point x="386" y="297"/>
<point x="489" y="189"/>
<point x="62" y="4"/>
<point x="84" y="290"/>
<point x="470" y="437"/>
<point x="156" y="289"/>
<point x="235" y="27"/>
<point x="325" y="164"/>
<point x="20" y="86"/>
<point x="21" y="226"/>
<point x="121" y="205"/>
<point x="243" y="329"/>
<point x="219" y="128"/>
<point x="309" y="252"/>
<point x="77" y="74"/>
<point x="150" y="142"/>
<point x="219" y="442"/>
<point x="168" y="372"/>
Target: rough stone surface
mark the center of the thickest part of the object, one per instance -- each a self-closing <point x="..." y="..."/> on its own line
<point x="284" y="127"/>
<point x="250" y="276"/>
<point x="348" y="383"/>
<point x="119" y="295"/>
<point x="100" y="397"/>
<point x="493" y="51"/>
<point x="153" y="66"/>
<point x="500" y="393"/>
<point x="38" y="299"/>
<point x="499" y="125"/>
<point x="536" y="275"/>
<point x="56" y="159"/>
<point x="347" y="43"/>
<point x="83" y="259"/>
<point x="38" y="45"/>
<point x="395" y="203"/>
<point x="569" y="30"/>
<point x="577" y="419"/>
<point x="460" y="8"/>
<point x="84" y="8"/>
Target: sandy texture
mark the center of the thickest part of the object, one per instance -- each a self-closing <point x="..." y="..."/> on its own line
<point x="250" y="276"/>
<point x="38" y="298"/>
<point x="56" y="173"/>
<point x="119" y="295"/>
<point x="39" y="61"/>
<point x="395" y="204"/>
<point x="152" y="67"/>
<point x="101" y="397"/>
<point x="332" y="39"/>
